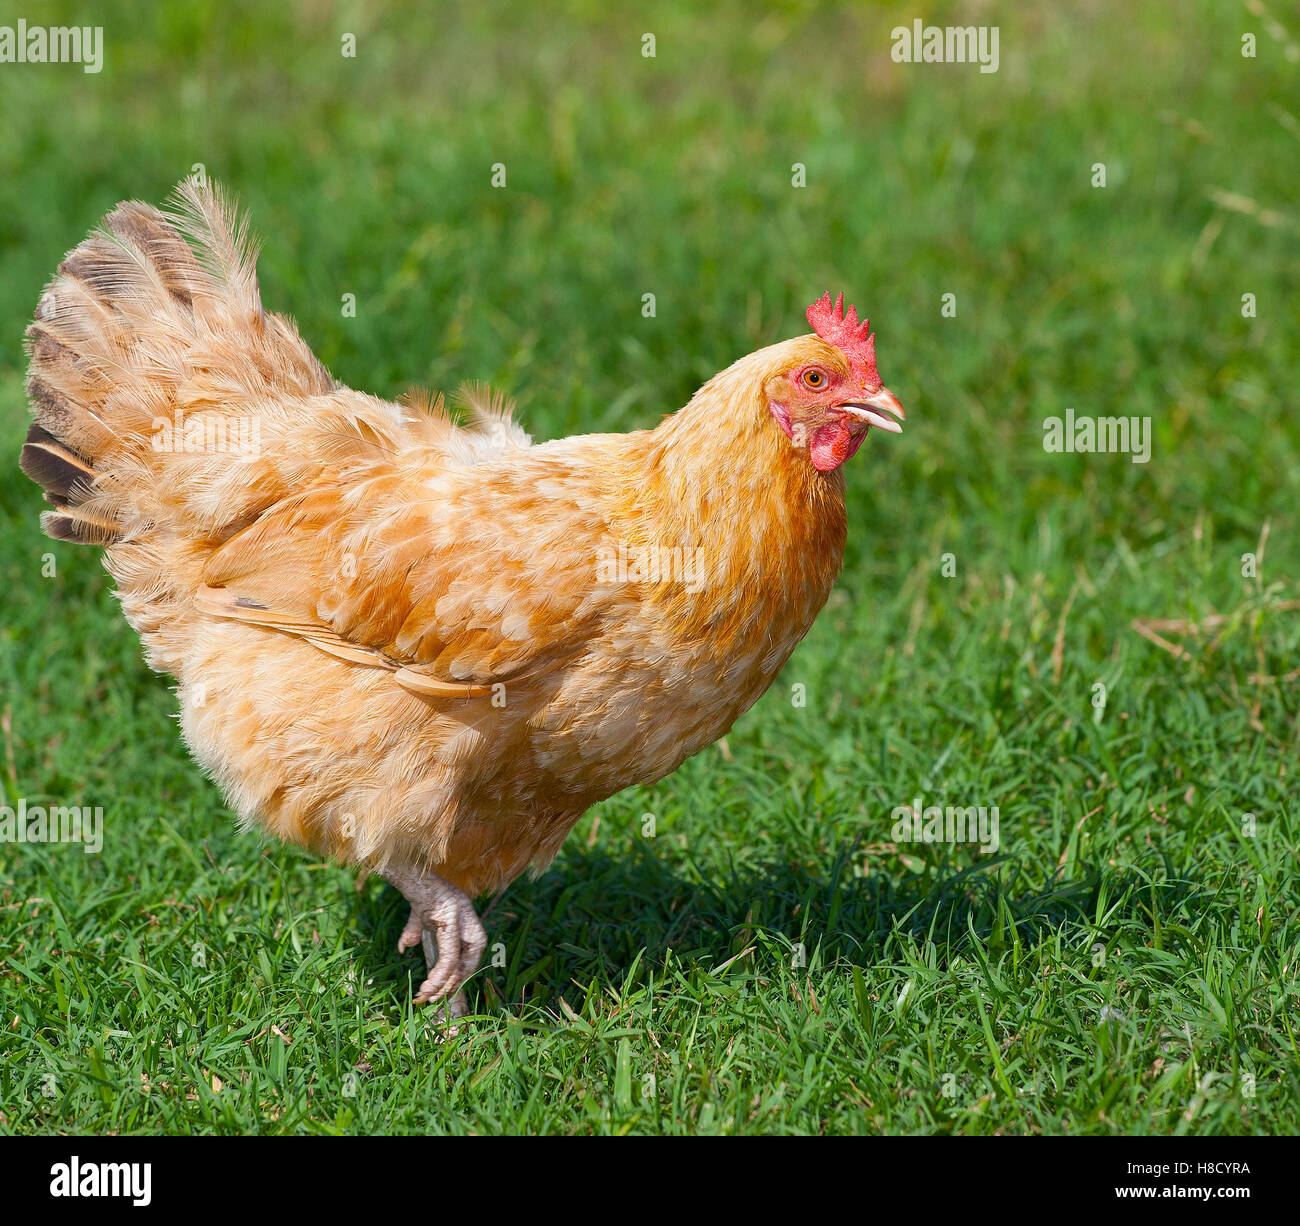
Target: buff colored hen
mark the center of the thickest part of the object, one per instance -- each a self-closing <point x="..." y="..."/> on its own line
<point x="406" y="643"/>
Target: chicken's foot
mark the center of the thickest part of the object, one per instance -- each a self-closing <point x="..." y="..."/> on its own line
<point x="443" y="919"/>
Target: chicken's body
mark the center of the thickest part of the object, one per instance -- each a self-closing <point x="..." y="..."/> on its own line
<point x="399" y="642"/>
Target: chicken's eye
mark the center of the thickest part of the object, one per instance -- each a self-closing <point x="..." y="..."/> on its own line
<point x="814" y="379"/>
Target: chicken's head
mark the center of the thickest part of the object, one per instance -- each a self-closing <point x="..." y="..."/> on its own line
<point x="825" y="392"/>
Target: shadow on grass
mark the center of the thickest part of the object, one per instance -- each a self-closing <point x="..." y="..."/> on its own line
<point x="591" y="915"/>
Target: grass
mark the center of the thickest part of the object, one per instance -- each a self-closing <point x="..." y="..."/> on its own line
<point x="770" y="960"/>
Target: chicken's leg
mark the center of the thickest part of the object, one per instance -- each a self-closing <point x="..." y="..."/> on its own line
<point x="444" y="920"/>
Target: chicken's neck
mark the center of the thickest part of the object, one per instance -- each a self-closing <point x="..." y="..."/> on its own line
<point x="766" y="529"/>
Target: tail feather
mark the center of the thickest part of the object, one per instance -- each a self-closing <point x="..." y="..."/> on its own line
<point x="156" y="318"/>
<point x="50" y="464"/>
<point x="166" y="256"/>
<point x="150" y="355"/>
<point x="219" y="240"/>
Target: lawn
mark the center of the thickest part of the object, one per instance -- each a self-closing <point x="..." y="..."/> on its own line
<point x="1104" y="650"/>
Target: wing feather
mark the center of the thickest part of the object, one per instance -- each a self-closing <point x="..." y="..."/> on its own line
<point x="454" y="578"/>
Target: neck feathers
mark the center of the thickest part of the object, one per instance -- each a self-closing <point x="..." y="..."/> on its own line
<point x="720" y="477"/>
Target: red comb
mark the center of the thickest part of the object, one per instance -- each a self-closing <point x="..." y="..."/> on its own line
<point x="854" y="340"/>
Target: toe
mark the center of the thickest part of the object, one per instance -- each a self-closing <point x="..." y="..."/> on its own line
<point x="410" y="937"/>
<point x="442" y="976"/>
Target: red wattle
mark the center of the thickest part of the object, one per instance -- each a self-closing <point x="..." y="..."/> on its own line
<point x="834" y="443"/>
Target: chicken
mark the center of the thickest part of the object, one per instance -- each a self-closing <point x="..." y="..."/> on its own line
<point x="418" y="646"/>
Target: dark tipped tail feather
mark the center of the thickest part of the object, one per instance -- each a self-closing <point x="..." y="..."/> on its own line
<point x="85" y="350"/>
<point x="149" y="351"/>
<point x="66" y="478"/>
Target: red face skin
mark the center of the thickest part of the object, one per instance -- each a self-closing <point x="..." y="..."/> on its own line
<point x="828" y="403"/>
<point x="805" y="404"/>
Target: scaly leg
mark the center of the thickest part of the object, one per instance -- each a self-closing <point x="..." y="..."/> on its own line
<point x="444" y="920"/>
